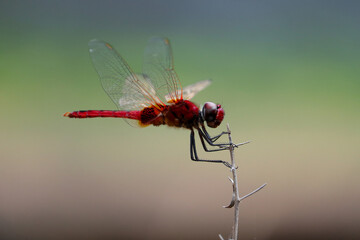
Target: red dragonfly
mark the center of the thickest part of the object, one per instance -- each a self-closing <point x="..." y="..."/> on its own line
<point x="154" y="97"/>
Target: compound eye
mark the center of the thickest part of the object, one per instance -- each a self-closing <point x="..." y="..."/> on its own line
<point x="210" y="111"/>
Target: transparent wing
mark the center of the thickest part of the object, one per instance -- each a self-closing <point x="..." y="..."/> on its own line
<point x="128" y="91"/>
<point x="158" y="65"/>
<point x="190" y="91"/>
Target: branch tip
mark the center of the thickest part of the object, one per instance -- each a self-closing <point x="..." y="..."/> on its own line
<point x="243" y="143"/>
<point x="255" y="191"/>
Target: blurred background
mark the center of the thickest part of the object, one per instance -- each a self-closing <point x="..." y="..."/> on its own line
<point x="286" y="73"/>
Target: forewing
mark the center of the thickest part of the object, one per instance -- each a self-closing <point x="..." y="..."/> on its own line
<point x="158" y="65"/>
<point x="128" y="91"/>
<point x="190" y="91"/>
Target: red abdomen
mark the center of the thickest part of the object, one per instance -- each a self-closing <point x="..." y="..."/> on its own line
<point x="104" y="113"/>
<point x="180" y="114"/>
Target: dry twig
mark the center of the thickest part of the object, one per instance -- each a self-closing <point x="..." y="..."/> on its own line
<point x="236" y="199"/>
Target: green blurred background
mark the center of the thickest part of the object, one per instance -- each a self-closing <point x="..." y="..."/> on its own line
<point x="286" y="73"/>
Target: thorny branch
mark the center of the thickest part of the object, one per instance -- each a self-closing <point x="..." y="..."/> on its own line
<point x="236" y="199"/>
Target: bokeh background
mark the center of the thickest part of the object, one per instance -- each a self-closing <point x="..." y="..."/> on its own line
<point x="286" y="73"/>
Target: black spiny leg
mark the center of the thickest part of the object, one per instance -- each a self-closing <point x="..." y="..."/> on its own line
<point x="194" y="155"/>
<point x="212" y="139"/>
<point x="221" y="146"/>
<point x="203" y="133"/>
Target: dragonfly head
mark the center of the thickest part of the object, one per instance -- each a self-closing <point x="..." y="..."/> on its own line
<point x="213" y="114"/>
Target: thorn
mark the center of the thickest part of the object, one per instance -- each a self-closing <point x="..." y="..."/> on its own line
<point x="240" y="144"/>
<point x="232" y="203"/>
<point x="255" y="191"/>
<point x="234" y="167"/>
<point x="231" y="180"/>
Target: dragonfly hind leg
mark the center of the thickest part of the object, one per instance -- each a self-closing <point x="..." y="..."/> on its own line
<point x="193" y="152"/>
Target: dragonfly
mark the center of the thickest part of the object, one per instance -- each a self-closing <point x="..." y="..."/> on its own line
<point x="154" y="97"/>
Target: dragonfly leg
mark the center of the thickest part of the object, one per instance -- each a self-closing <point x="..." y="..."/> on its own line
<point x="193" y="152"/>
<point x="221" y="148"/>
<point x="207" y="138"/>
<point x="212" y="139"/>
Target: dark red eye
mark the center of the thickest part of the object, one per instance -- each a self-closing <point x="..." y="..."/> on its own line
<point x="209" y="111"/>
<point x="213" y="114"/>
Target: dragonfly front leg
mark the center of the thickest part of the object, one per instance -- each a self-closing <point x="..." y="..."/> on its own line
<point x="221" y="146"/>
<point x="193" y="153"/>
<point x="203" y="133"/>
<point x="212" y="139"/>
